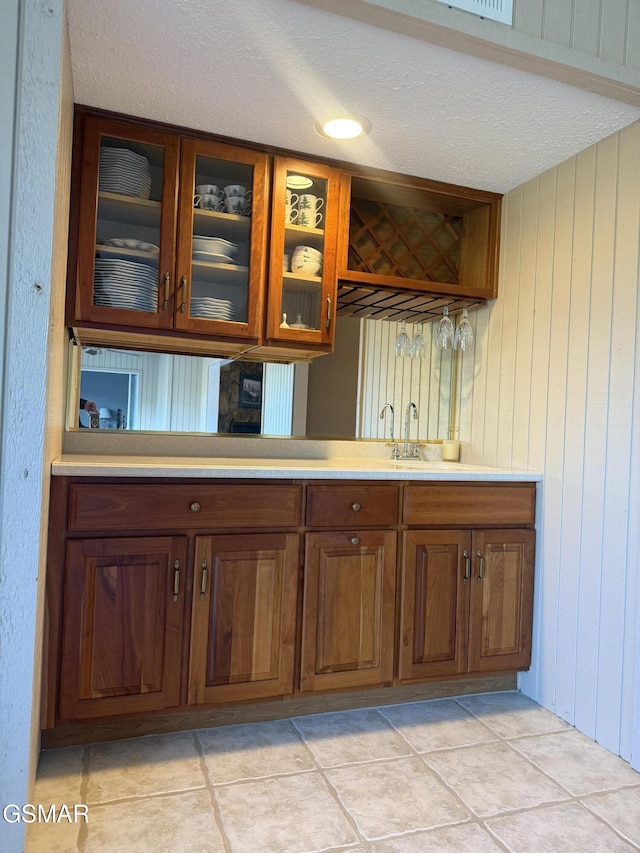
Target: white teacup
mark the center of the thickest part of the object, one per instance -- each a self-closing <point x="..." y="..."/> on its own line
<point x="210" y="189"/>
<point x="309" y="219"/>
<point x="237" y="191"/>
<point x="307" y="201"/>
<point x="238" y="204"/>
<point x="208" y="201"/>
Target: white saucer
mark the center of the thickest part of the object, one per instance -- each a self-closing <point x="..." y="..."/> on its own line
<point x="213" y="258"/>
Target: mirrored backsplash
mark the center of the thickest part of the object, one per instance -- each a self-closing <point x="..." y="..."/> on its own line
<point x="335" y="396"/>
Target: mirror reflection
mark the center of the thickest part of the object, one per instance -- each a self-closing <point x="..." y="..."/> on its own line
<point x="340" y="395"/>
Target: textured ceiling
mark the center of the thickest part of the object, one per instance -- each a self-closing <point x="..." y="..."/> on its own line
<point x="264" y="70"/>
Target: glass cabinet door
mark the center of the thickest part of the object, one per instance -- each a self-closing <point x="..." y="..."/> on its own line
<point x="127" y="225"/>
<point x="221" y="240"/>
<point x="302" y="281"/>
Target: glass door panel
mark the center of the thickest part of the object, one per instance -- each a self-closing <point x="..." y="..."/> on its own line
<point x="221" y="240"/>
<point x="127" y="225"/>
<point x="302" y="281"/>
<point x="222" y="227"/>
<point x="303" y="251"/>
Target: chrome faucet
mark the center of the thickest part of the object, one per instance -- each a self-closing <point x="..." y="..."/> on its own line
<point x="405" y="451"/>
<point x="395" y="453"/>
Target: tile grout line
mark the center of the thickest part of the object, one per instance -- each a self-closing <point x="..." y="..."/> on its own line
<point x="217" y="816"/>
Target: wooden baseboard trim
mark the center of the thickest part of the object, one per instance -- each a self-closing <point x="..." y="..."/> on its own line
<point x="121" y="728"/>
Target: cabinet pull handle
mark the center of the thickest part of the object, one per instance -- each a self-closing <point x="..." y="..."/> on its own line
<point x="183" y="286"/>
<point x="195" y="507"/>
<point x="467" y="566"/>
<point x="328" y="323"/>
<point x="203" y="582"/>
<point x="481" y="570"/>
<point x="165" y="304"/>
<point x="176" y="580"/>
<point x="355" y="540"/>
<point x="355" y="507"/>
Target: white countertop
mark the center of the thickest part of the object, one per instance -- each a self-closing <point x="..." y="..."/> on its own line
<point x="299" y="469"/>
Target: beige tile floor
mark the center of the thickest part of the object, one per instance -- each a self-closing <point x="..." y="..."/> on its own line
<point x="478" y="773"/>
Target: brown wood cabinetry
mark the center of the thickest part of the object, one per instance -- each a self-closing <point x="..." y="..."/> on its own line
<point x="178" y="595"/>
<point x="467" y="594"/>
<point x="122" y="626"/>
<point x="410" y="246"/>
<point x="348" y="620"/>
<point x="244" y="612"/>
<point x="189" y="243"/>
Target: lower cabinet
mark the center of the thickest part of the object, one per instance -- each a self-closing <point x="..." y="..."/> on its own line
<point x="467" y="599"/>
<point x="243" y="617"/>
<point x="348" y="616"/>
<point x="122" y="626"/>
<point x="177" y="595"/>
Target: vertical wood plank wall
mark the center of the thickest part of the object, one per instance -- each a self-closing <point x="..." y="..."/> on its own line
<point x="554" y="384"/>
<point x="607" y="29"/>
<point x="387" y="379"/>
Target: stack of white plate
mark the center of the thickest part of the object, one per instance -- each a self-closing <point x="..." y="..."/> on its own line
<point x="125" y="172"/>
<point x="125" y="284"/>
<point x="212" y="309"/>
<point x="214" y="249"/>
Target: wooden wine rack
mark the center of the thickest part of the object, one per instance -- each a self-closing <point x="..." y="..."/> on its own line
<point x="410" y="246"/>
<point x="388" y="239"/>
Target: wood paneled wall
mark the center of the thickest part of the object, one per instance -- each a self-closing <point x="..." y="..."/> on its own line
<point x="607" y="29"/>
<point x="387" y="379"/>
<point x="555" y="385"/>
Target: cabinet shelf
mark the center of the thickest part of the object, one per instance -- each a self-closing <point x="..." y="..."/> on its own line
<point x="220" y="273"/>
<point x="129" y="210"/>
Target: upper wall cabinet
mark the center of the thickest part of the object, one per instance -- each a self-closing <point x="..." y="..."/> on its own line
<point x="419" y="244"/>
<point x="186" y="243"/>
<point x="171" y="235"/>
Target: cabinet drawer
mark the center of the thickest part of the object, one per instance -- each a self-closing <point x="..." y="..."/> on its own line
<point x="148" y="507"/>
<point x="331" y="506"/>
<point x="470" y="504"/>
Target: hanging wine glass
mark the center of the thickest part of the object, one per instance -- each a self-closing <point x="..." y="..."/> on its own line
<point x="463" y="337"/>
<point x="444" y="332"/>
<point x="402" y="341"/>
<point x="417" y="346"/>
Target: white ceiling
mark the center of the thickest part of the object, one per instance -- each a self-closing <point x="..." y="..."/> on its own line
<point x="264" y="70"/>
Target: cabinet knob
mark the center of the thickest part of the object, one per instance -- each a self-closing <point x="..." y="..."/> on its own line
<point x="195" y="507"/>
<point x="355" y="540"/>
<point x="355" y="507"/>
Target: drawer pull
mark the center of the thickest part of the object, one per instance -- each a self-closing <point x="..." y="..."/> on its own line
<point x="481" y="570"/>
<point x="467" y="566"/>
<point x="195" y="507"/>
<point x="355" y="540"/>
<point x="355" y="507"/>
<point x="203" y="582"/>
<point x="176" y="580"/>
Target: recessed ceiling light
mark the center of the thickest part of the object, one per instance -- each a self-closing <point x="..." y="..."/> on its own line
<point x="344" y="127"/>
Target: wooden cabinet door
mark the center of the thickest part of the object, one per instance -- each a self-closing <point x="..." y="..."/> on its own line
<point x="222" y="237"/>
<point x="500" y="619"/>
<point x="435" y="601"/>
<point x="348" y="618"/>
<point x="304" y="233"/>
<point x="122" y="626"/>
<point x="126" y="240"/>
<point x="243" y="617"/>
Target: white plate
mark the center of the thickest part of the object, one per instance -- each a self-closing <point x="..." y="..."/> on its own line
<point x="139" y="245"/>
<point x="213" y="258"/>
<point x="298" y="182"/>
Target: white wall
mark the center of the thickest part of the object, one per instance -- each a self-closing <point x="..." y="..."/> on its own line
<point x="555" y="386"/>
<point x="32" y="342"/>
